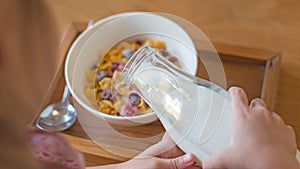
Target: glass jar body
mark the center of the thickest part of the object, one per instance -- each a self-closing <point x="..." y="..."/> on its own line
<point x="195" y="112"/>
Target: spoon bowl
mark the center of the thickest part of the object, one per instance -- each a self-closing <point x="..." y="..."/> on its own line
<point x="59" y="116"/>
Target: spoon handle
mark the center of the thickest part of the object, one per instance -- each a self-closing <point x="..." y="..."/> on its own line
<point x="90" y="24"/>
<point x="66" y="95"/>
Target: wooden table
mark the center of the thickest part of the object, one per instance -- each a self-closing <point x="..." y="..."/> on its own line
<point x="257" y="71"/>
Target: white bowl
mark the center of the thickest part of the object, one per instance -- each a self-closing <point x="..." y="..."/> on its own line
<point x="105" y="34"/>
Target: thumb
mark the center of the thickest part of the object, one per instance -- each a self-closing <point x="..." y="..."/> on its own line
<point x="181" y="162"/>
<point x="220" y="160"/>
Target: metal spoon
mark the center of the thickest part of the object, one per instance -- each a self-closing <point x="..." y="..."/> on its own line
<point x="59" y="116"/>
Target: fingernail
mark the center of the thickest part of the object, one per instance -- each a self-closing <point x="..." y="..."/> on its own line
<point x="187" y="158"/>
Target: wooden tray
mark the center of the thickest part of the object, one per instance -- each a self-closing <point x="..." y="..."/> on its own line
<point x="254" y="70"/>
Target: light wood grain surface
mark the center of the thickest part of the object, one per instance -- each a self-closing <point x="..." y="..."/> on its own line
<point x="273" y="25"/>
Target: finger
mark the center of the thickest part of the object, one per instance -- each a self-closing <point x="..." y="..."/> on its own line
<point x="163" y="149"/>
<point x="291" y="129"/>
<point x="181" y="162"/>
<point x="261" y="108"/>
<point x="292" y="133"/>
<point x="257" y="102"/>
<point x="238" y="96"/>
<point x="293" y="144"/>
<point x="277" y="117"/>
<point x="169" y="147"/>
<point x="220" y="160"/>
<point x="167" y="139"/>
<point x="239" y="101"/>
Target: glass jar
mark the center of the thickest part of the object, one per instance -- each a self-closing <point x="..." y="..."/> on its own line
<point x="195" y="112"/>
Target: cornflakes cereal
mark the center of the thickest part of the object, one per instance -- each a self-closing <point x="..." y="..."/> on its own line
<point x="117" y="99"/>
<point x="90" y="94"/>
<point x="104" y="64"/>
<point x="123" y="45"/>
<point x="105" y="83"/>
<point x="115" y="55"/>
<point x="118" y="104"/>
<point x="90" y="76"/>
<point x="156" y="44"/>
<point x="106" y="106"/>
<point x="143" y="107"/>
